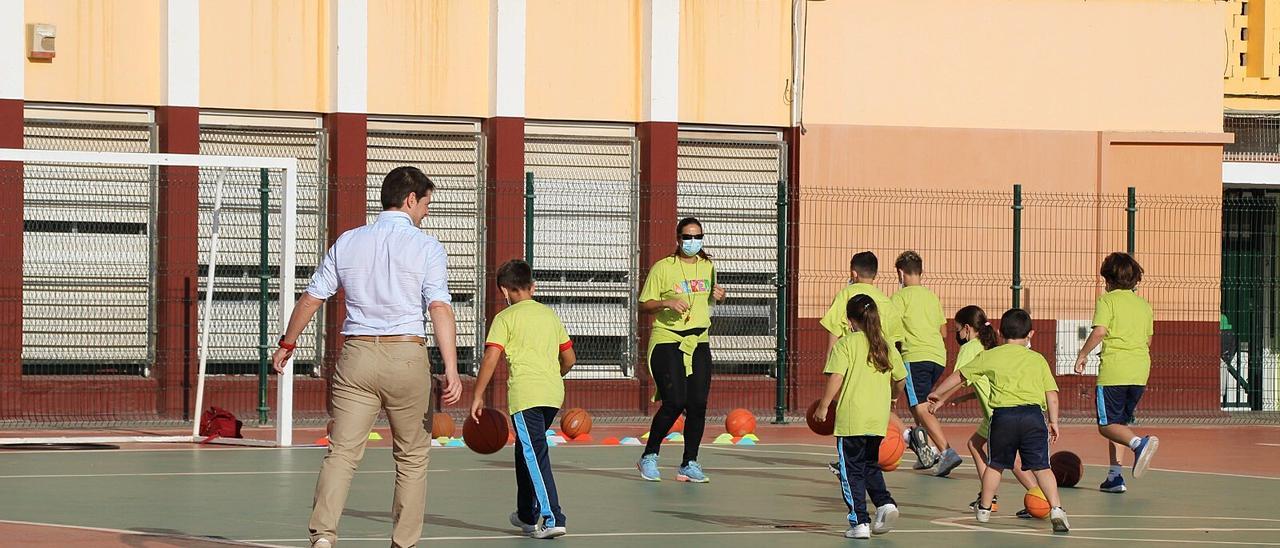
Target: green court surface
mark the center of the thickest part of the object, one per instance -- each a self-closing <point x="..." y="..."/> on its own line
<point x="766" y="495"/>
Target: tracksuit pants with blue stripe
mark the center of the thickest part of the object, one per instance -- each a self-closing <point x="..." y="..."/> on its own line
<point x="536" y="496"/>
<point x="860" y="475"/>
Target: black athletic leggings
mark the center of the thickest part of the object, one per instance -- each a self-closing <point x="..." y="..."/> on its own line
<point x="680" y="394"/>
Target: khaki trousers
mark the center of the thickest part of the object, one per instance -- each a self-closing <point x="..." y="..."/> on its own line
<point x="371" y="377"/>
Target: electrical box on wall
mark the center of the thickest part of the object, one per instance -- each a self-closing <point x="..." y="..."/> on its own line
<point x="41" y="45"/>
<point x="1069" y="340"/>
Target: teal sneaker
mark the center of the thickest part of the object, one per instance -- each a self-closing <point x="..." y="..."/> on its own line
<point x="648" y="467"/>
<point x="692" y="472"/>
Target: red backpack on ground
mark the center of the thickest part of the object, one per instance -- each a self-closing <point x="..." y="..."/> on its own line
<point x="219" y="423"/>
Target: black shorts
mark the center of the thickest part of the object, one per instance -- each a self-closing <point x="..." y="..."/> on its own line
<point x="1117" y="403"/>
<point x="1019" y="431"/>
<point x="921" y="377"/>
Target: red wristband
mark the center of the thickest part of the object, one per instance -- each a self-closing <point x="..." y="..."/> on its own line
<point x="286" y="345"/>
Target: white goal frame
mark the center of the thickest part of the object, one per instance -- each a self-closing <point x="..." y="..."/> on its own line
<point x="288" y="285"/>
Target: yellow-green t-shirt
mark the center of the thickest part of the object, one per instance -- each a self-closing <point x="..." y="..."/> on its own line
<point x="532" y="337"/>
<point x="863" y="407"/>
<point x="1018" y="375"/>
<point x="981" y="385"/>
<point x="672" y="278"/>
<point x="1126" y="348"/>
<point x="922" y="322"/>
<point x="836" y="321"/>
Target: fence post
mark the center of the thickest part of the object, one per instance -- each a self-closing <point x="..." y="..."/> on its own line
<point x="1132" y="208"/>
<point x="528" y="218"/>
<point x="1017" y="246"/>
<point x="780" y="406"/>
<point x="264" y="195"/>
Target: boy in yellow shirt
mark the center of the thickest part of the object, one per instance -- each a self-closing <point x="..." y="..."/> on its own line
<point x="1022" y="388"/>
<point x="861" y="371"/>
<point x="539" y="353"/>
<point x="925" y="355"/>
<point x="1122" y="323"/>
<point x="863" y="269"/>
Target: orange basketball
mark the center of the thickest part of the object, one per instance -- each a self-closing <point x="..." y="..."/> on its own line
<point x="489" y="434"/>
<point x="575" y="422"/>
<point x="679" y="425"/>
<point x="1036" y="504"/>
<point x="442" y="425"/>
<point x="891" y="448"/>
<point x="821" y="428"/>
<point x="740" y="422"/>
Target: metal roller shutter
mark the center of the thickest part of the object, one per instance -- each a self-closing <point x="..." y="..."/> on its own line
<point x="584" y="244"/>
<point x="86" y="252"/>
<point x="452" y="155"/>
<point x="234" y="342"/>
<point x="729" y="181"/>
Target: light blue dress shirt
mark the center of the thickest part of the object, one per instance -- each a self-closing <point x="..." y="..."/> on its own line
<point x="391" y="272"/>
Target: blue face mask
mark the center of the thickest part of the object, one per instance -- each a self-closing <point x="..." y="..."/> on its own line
<point x="690" y="247"/>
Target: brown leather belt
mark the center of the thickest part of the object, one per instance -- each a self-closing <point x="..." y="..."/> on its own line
<point x="387" y="338"/>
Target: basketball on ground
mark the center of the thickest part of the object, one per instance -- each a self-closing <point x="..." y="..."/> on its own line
<point x="740" y="422"/>
<point x="1036" y="503"/>
<point x="1067" y="468"/>
<point x="442" y="425"/>
<point x="891" y="449"/>
<point x="575" y="422"/>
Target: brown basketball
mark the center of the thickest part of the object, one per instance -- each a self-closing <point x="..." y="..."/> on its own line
<point x="489" y="435"/>
<point x="824" y="428"/>
<point x="575" y="422"/>
<point x="740" y="422"/>
<point x="679" y="424"/>
<point x="442" y="425"/>
<point x="1067" y="468"/>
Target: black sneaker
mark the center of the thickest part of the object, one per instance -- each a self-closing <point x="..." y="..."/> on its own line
<point x="834" y="467"/>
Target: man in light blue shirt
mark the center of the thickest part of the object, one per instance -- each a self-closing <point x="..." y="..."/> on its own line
<point x="390" y="271"/>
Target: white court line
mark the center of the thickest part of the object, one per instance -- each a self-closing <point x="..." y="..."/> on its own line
<point x="229" y="542"/>
<point x="565" y="469"/>
<point x="952" y="521"/>
<point x="1270" y="444"/>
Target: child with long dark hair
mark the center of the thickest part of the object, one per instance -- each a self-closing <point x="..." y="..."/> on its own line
<point x="863" y="371"/>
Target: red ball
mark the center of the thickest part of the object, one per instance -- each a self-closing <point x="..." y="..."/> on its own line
<point x="821" y="428"/>
<point x="1067" y="468"/>
<point x="575" y="422"/>
<point x="489" y="435"/>
<point x="740" y="422"/>
<point x="679" y="424"/>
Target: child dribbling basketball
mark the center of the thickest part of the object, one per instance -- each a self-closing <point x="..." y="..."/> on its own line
<point x="539" y="354"/>
<point x="863" y="371"/>
<point x="974" y="334"/>
<point x="1022" y="389"/>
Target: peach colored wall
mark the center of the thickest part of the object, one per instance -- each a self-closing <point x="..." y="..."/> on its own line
<point x="582" y="60"/>
<point x="946" y="193"/>
<point x="735" y="61"/>
<point x="429" y="57"/>
<point x="107" y="52"/>
<point x="1042" y="64"/>
<point x="264" y="55"/>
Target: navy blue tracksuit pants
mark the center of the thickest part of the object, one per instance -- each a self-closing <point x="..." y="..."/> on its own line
<point x="535" y="487"/>
<point x="860" y="475"/>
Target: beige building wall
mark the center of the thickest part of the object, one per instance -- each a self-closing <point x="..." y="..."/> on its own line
<point x="264" y="55"/>
<point x="429" y="57"/>
<point x="107" y="52"/>
<point x="735" y="62"/>
<point x="582" y="60"/>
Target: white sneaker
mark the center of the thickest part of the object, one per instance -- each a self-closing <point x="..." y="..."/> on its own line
<point x="1059" y="518"/>
<point x="1142" y="455"/>
<point x="524" y="527"/>
<point x="544" y="532"/>
<point x="861" y="530"/>
<point x="983" y="515"/>
<point x="322" y="543"/>
<point x="885" y="516"/>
